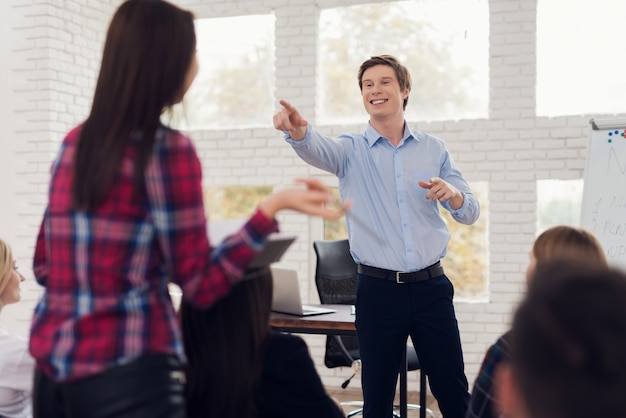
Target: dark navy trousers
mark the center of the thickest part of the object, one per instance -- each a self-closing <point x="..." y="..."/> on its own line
<point x="386" y="314"/>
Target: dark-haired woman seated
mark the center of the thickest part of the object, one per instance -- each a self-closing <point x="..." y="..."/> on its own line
<point x="238" y="367"/>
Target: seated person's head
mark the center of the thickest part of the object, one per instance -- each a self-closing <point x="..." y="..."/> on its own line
<point x="10" y="278"/>
<point x="568" y="244"/>
<point x="568" y="346"/>
<point x="225" y="346"/>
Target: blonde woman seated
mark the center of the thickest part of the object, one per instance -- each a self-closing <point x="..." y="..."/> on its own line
<point x="16" y="364"/>
<point x="238" y="367"/>
<point x="563" y="243"/>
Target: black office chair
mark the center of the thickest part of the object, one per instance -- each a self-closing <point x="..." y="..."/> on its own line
<point x="335" y="279"/>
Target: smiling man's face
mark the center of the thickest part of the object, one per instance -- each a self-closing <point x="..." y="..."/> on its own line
<point x="382" y="96"/>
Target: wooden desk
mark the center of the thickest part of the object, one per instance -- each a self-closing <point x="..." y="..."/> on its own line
<point x="337" y="323"/>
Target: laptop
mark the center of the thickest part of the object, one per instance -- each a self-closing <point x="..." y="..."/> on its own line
<point x="286" y="297"/>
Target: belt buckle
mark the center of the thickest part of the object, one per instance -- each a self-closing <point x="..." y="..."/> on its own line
<point x="398" y="275"/>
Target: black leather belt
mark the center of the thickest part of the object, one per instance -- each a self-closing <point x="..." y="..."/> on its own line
<point x="429" y="272"/>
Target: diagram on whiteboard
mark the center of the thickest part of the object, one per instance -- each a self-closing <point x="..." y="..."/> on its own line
<point x="604" y="194"/>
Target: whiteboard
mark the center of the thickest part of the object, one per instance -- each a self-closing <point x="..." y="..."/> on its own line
<point x="603" y="209"/>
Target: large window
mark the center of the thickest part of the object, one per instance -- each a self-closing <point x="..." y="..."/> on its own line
<point x="558" y="203"/>
<point x="580" y="57"/>
<point x="466" y="262"/>
<point x="233" y="202"/>
<point x="235" y="82"/>
<point x="443" y="43"/>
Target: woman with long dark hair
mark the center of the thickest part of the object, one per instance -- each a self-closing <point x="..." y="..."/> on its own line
<point x="238" y="368"/>
<point x="125" y="216"/>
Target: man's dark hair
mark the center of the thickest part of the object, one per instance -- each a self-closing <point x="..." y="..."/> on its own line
<point x="569" y="343"/>
<point x="402" y="73"/>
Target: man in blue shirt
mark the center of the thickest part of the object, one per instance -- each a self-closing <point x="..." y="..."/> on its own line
<point x="396" y="178"/>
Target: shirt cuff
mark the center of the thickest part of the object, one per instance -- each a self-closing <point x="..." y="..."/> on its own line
<point x="460" y="210"/>
<point x="300" y="143"/>
<point x="261" y="226"/>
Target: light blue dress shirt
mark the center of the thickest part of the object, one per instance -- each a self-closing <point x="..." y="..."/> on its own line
<point x="391" y="224"/>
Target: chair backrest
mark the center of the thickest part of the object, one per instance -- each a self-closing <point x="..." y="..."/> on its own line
<point x="335" y="272"/>
<point x="335" y="279"/>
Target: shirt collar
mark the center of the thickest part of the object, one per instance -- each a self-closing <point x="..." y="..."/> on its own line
<point x="372" y="136"/>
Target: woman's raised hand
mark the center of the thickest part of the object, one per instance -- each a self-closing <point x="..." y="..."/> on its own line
<point x="311" y="200"/>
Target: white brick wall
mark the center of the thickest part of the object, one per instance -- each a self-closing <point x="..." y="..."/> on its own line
<point x="9" y="165"/>
<point x="50" y="57"/>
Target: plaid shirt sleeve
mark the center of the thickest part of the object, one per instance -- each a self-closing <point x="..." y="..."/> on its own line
<point x="482" y="399"/>
<point x="174" y="185"/>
